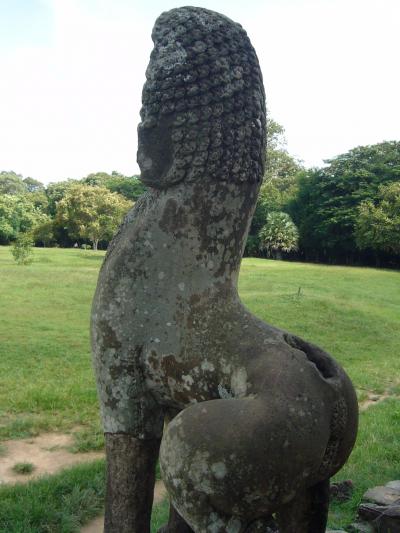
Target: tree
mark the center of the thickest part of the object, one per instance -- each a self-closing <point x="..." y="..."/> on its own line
<point x="128" y="186"/>
<point x="17" y="215"/>
<point x="33" y="185"/>
<point x="326" y="206"/>
<point x="8" y="222"/>
<point x="43" y="230"/>
<point x="56" y="192"/>
<point x="280" y="168"/>
<point x="279" y="234"/>
<point x="378" y="224"/>
<point x="131" y="188"/>
<point x="92" y="213"/>
<point x="279" y="185"/>
<point x="39" y="200"/>
<point x="96" y="179"/>
<point x="11" y="183"/>
<point x="22" y="249"/>
<point x="269" y="200"/>
<point x="275" y="133"/>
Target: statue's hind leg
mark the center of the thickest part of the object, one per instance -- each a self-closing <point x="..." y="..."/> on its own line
<point x="176" y="523"/>
<point x="307" y="512"/>
<point x="131" y="465"/>
<point x="225" y="464"/>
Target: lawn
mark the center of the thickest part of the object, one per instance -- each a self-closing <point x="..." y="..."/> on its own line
<point x="46" y="381"/>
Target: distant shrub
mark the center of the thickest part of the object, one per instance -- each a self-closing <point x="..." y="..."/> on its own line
<point x="23" y="468"/>
<point x="86" y="247"/>
<point x="279" y="234"/>
<point x="22" y="249"/>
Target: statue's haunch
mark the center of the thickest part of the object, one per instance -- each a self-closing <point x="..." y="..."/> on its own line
<point x="257" y="420"/>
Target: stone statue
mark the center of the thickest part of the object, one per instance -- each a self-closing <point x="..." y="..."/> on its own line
<point x="257" y="420"/>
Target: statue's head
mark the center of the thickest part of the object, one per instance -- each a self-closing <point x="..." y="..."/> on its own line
<point x="203" y="111"/>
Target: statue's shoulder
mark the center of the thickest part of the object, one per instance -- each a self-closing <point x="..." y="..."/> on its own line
<point x="142" y="205"/>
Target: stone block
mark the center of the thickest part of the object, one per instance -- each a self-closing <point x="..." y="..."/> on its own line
<point x="395" y="485"/>
<point x="382" y="495"/>
<point x="361" y="527"/>
<point x="389" y="520"/>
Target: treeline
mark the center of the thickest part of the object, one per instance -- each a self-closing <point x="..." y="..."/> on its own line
<point x="347" y="212"/>
<point x="82" y="212"/>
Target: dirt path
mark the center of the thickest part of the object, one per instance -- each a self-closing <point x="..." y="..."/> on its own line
<point x="373" y="399"/>
<point x="48" y="453"/>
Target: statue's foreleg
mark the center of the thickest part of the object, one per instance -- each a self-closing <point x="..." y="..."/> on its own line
<point x="176" y="523"/>
<point x="307" y="512"/>
<point x="131" y="465"/>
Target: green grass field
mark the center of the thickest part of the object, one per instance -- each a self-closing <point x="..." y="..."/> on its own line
<point x="46" y="381"/>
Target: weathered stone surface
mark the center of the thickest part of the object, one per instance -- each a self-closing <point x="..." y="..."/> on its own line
<point x="381" y="509"/>
<point x="382" y="495"/>
<point x="260" y="418"/>
<point x="395" y="485"/>
<point x="389" y="521"/>
<point x="370" y="511"/>
<point x="361" y="527"/>
<point x="175" y="524"/>
<point x="381" y="517"/>
<point x="130" y="483"/>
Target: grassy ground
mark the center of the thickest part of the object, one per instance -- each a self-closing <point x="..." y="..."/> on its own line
<point x="354" y="313"/>
<point x="60" y="503"/>
<point x="56" y="504"/>
<point x="46" y="381"/>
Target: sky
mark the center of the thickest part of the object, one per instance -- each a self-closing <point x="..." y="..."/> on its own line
<point x="72" y="73"/>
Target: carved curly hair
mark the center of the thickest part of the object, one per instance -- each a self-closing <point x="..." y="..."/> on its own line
<point x="203" y="108"/>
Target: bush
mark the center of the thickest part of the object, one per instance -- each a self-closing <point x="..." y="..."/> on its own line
<point x="23" y="468"/>
<point x="278" y="235"/>
<point x="22" y="249"/>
